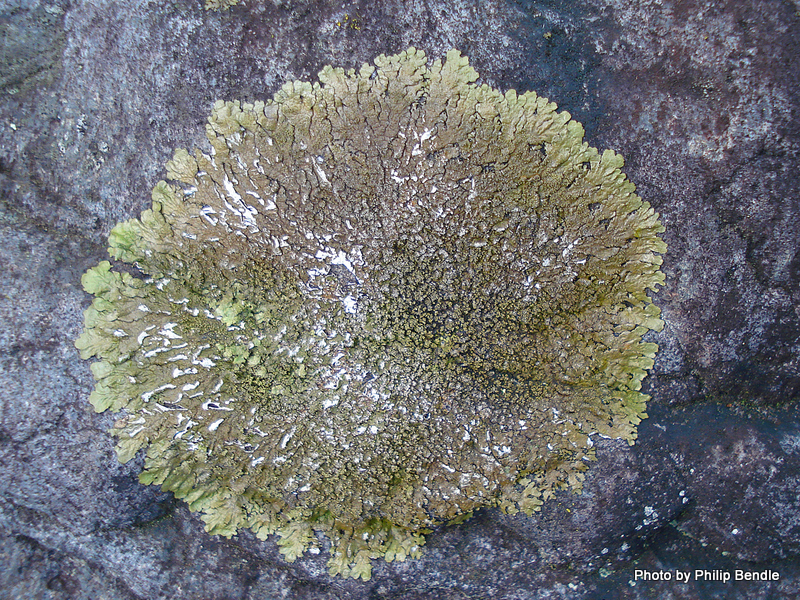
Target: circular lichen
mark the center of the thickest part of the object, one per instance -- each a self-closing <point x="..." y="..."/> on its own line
<point x="380" y="302"/>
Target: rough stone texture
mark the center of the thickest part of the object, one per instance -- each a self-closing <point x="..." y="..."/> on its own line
<point x="700" y="97"/>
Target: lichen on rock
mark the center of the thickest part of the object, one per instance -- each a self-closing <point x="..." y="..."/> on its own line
<point x="380" y="302"/>
<point x="220" y="5"/>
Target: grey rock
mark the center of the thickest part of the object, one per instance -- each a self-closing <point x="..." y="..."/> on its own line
<point x="701" y="99"/>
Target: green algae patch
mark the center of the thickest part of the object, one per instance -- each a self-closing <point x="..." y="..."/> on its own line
<point x="380" y="302"/>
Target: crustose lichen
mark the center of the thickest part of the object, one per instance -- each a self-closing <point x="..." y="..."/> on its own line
<point x="380" y="302"/>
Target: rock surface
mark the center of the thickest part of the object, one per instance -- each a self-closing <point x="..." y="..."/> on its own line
<point x="702" y="100"/>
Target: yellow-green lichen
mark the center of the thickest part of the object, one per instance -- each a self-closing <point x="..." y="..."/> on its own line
<point x="220" y="5"/>
<point x="380" y="302"/>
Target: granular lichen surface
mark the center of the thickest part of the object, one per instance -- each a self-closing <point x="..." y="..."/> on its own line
<point x="380" y="302"/>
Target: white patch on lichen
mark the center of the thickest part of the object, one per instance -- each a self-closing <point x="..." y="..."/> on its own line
<point x="147" y="395"/>
<point x="349" y="304"/>
<point x="396" y="178"/>
<point x="145" y="333"/>
<point x="189" y="425"/>
<point x="176" y="372"/>
<point x="246" y="213"/>
<point x="206" y="213"/>
<point x="211" y="405"/>
<point x="321" y="174"/>
<point x="167" y="332"/>
<point x="288" y="436"/>
<point x="152" y="353"/>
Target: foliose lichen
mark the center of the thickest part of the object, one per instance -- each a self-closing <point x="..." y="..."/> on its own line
<point x="380" y="302"/>
<point x="220" y="5"/>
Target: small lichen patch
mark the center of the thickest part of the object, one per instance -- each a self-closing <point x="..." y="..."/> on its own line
<point x="220" y="5"/>
<point x="378" y="303"/>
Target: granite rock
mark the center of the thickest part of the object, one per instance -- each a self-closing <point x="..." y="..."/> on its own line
<point x="702" y="100"/>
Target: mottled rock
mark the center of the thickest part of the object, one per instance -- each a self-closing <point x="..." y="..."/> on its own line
<point x="702" y="100"/>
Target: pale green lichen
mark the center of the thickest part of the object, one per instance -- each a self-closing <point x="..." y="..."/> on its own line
<point x="380" y="302"/>
<point x="220" y="5"/>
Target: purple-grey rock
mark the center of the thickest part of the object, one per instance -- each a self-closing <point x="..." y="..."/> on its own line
<point x="701" y="98"/>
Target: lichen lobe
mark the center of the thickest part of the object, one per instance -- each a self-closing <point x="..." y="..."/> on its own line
<point x="380" y="302"/>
